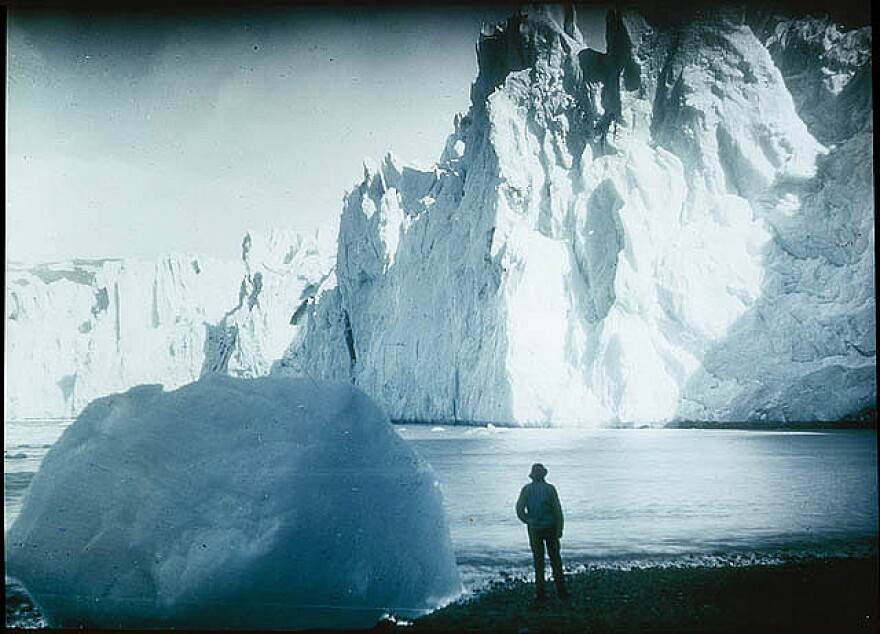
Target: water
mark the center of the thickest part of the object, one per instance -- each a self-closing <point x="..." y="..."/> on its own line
<point x="631" y="497"/>
<point x="635" y="497"/>
<point x="25" y="444"/>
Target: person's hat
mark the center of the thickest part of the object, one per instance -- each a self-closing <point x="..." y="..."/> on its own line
<point x="538" y="471"/>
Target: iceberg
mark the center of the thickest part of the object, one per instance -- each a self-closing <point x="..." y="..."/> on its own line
<point x="668" y="230"/>
<point x="267" y="503"/>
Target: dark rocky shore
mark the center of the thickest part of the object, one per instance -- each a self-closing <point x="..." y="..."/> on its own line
<point x="824" y="595"/>
<point x="821" y="595"/>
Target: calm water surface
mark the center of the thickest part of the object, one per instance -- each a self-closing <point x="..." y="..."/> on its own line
<point x="631" y="497"/>
<point x="666" y="496"/>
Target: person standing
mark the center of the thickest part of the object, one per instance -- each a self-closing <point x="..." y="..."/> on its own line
<point x="538" y="507"/>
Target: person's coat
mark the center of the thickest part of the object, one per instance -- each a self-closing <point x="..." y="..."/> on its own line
<point x="538" y="507"/>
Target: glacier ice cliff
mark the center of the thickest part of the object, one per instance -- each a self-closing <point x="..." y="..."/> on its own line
<point x="677" y="228"/>
<point x="680" y="227"/>
<point x="79" y="330"/>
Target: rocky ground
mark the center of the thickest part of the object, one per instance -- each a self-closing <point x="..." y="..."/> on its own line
<point x="828" y="595"/>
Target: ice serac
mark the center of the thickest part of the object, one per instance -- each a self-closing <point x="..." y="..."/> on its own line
<point x="282" y="272"/>
<point x="239" y="504"/>
<point x="816" y="314"/>
<point x="641" y="235"/>
<point x="79" y="330"/>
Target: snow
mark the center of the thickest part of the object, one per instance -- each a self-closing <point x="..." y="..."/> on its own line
<point x="653" y="234"/>
<point x="268" y="503"/>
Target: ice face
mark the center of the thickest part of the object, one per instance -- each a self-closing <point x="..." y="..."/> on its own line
<point x="80" y="330"/>
<point x="268" y="503"/>
<point x="678" y="228"/>
<point x="638" y="236"/>
<point x="84" y="329"/>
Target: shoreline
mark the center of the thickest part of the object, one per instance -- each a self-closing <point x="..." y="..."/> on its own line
<point x="818" y="595"/>
<point x="811" y="595"/>
<point x="867" y="424"/>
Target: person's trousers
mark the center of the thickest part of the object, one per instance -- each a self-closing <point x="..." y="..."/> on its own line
<point x="537" y="538"/>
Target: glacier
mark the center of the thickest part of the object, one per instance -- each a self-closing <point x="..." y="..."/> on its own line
<point x="229" y="503"/>
<point x="678" y="228"/>
<point x="82" y="329"/>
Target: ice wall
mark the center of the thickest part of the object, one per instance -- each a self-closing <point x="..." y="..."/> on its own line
<point x="79" y="330"/>
<point x="636" y="236"/>
<point x="283" y="272"/>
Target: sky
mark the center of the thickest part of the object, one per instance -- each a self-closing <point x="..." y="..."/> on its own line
<point x="137" y="134"/>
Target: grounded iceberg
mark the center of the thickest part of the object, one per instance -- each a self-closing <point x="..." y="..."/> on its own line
<point x="269" y="503"/>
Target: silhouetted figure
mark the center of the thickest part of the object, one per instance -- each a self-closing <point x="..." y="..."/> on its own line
<point x="538" y="507"/>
